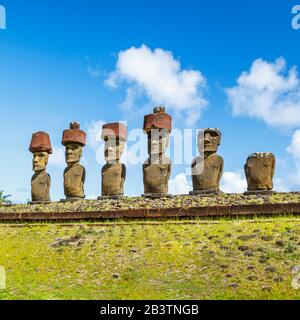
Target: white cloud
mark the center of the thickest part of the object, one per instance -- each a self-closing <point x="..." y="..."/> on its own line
<point x="91" y="197"/>
<point x="179" y="185"/>
<point x="280" y="185"/>
<point x="94" y="141"/>
<point x="57" y="158"/>
<point x="294" y="147"/>
<point x="94" y="72"/>
<point x="233" y="182"/>
<point x="94" y="130"/>
<point x="160" y="77"/>
<point x="294" y="150"/>
<point x="268" y="92"/>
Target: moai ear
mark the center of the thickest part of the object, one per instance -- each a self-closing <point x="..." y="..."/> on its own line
<point x="218" y="138"/>
<point x="267" y="162"/>
<point x="250" y="163"/>
<point x="46" y="158"/>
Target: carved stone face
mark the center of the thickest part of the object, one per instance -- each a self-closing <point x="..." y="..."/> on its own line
<point x="211" y="142"/>
<point x="73" y="153"/>
<point x="40" y="161"/>
<point x="158" y="142"/>
<point x="113" y="149"/>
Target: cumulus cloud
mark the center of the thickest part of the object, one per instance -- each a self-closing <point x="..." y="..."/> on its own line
<point x="268" y="91"/>
<point x="160" y="77"/>
<point x="91" y="197"/>
<point x="94" y="72"/>
<point x="294" y="150"/>
<point x="234" y="182"/>
<point x="179" y="185"/>
<point x="57" y="158"/>
<point x="92" y="69"/>
<point x="94" y="141"/>
<point x="280" y="185"/>
<point x="294" y="147"/>
<point x="94" y="130"/>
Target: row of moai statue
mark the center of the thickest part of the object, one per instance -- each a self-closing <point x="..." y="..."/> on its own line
<point x="207" y="168"/>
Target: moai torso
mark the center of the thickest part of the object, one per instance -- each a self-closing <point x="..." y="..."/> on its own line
<point x="259" y="170"/>
<point x="156" y="176"/>
<point x="40" y="187"/>
<point x="113" y="177"/>
<point x="207" y="173"/>
<point x="207" y="169"/>
<point x="74" y="177"/>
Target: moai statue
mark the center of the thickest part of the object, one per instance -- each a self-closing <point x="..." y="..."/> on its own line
<point x="259" y="170"/>
<point x="114" y="172"/>
<point x="207" y="168"/>
<point x="157" y="168"/>
<point x="41" y="148"/>
<point x="74" y="140"/>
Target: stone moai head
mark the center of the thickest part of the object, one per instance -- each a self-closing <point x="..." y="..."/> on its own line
<point x="115" y="136"/>
<point x="158" y="127"/>
<point x="41" y="148"/>
<point x="259" y="170"/>
<point x="74" y="140"/>
<point x="209" y="140"/>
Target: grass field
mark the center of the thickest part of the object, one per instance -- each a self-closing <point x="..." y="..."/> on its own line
<point x="242" y="259"/>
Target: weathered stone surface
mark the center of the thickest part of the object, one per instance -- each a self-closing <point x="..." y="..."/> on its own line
<point x="40" y="187"/>
<point x="113" y="178"/>
<point x="207" y="169"/>
<point x="158" y="120"/>
<point x="156" y="177"/>
<point x="259" y="170"/>
<point x="40" y="142"/>
<point x="74" y="178"/>
<point x="41" y="147"/>
<point x="74" y="135"/>
<point x="157" y="168"/>
<point x="114" y="172"/>
<point x="74" y="140"/>
<point x="114" y="130"/>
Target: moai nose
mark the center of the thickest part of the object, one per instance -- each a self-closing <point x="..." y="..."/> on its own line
<point x="154" y="142"/>
<point x="206" y="138"/>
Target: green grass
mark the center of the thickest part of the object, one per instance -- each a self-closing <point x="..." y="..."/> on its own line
<point x="239" y="259"/>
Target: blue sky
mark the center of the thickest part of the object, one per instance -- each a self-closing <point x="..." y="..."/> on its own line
<point x="55" y="57"/>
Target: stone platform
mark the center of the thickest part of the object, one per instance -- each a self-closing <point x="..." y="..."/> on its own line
<point x="185" y="206"/>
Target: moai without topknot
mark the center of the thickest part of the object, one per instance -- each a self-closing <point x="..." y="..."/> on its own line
<point x="259" y="170"/>
<point x="157" y="168"/>
<point x="114" y="172"/>
<point x="41" y="148"/>
<point x="207" y="168"/>
<point x="74" y="140"/>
